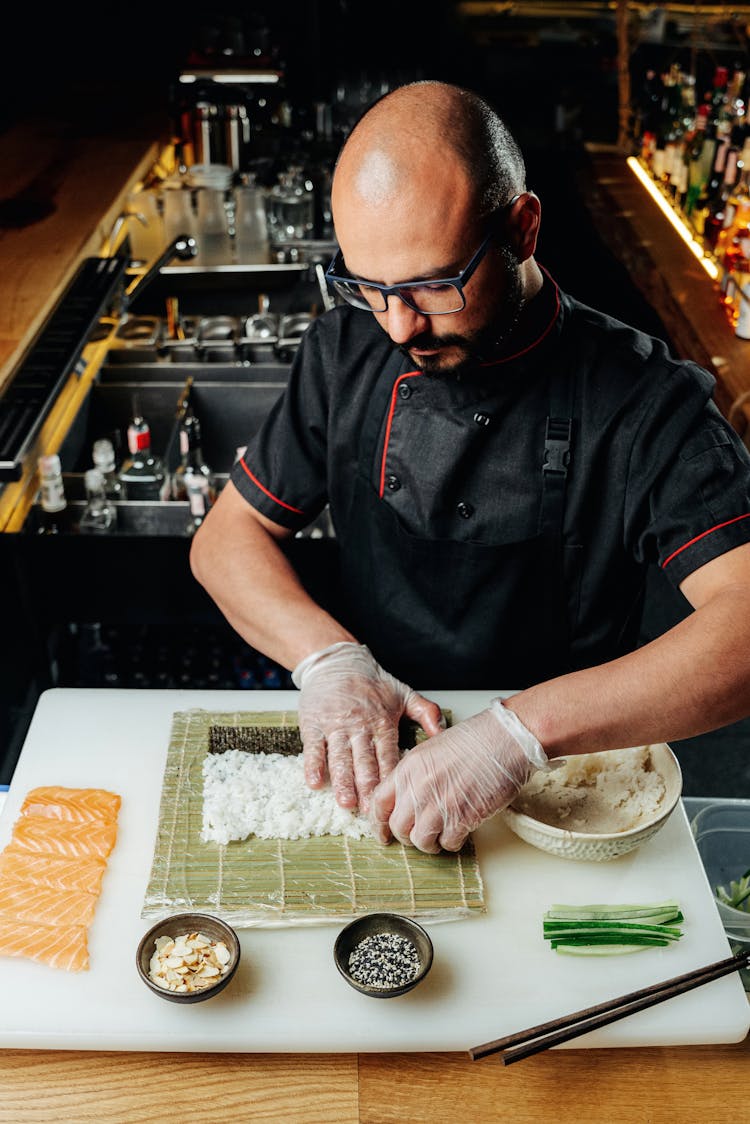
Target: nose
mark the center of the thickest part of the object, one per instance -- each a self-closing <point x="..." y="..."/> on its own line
<point x="401" y="322"/>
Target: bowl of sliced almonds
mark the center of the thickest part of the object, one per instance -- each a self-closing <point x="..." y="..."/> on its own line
<point x="188" y="957"/>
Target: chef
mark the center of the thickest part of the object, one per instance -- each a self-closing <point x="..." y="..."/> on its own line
<point x="502" y="464"/>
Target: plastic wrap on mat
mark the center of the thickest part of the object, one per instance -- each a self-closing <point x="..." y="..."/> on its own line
<point x="280" y="882"/>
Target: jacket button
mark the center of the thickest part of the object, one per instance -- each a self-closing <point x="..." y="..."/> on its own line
<point x="482" y="419"/>
<point x="392" y="483"/>
<point x="465" y="510"/>
<point x="404" y="391"/>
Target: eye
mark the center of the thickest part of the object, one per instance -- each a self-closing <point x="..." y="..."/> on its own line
<point x="430" y="287"/>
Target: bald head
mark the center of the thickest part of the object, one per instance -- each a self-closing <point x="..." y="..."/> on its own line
<point x="426" y="130"/>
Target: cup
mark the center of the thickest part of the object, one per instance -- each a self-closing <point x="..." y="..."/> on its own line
<point x="250" y="227"/>
<point x="212" y="228"/>
<point x="179" y="216"/>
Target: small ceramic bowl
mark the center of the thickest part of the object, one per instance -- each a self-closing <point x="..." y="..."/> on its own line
<point x="177" y="925"/>
<point x="376" y="928"/>
<point x="602" y="846"/>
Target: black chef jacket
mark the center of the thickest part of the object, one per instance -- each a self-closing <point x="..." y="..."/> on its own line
<point x="452" y="469"/>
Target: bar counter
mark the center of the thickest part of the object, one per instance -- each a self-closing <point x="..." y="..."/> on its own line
<point x="669" y="277"/>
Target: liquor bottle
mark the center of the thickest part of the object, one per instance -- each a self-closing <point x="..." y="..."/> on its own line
<point x="103" y="456"/>
<point x="100" y="514"/>
<point x="736" y="214"/>
<point x="742" y="322"/>
<point x="192" y="462"/>
<point x="719" y="98"/>
<point x="720" y="212"/>
<point x="735" y="266"/>
<point x="54" y="518"/>
<point x="199" y="498"/>
<point x="142" y="472"/>
<point x="699" y="157"/>
<point x="716" y="177"/>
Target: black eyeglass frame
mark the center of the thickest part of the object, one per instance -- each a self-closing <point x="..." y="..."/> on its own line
<point x="457" y="282"/>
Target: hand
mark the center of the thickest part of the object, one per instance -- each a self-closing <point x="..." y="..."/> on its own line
<point x="444" y="788"/>
<point x="349" y="710"/>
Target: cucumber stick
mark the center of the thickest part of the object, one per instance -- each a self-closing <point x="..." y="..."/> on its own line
<point x="608" y="930"/>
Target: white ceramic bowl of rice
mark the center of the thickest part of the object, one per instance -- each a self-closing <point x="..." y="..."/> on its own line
<point x="598" y="806"/>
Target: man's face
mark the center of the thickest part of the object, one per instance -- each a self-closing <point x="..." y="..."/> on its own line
<point x="445" y="346"/>
<point x="421" y="241"/>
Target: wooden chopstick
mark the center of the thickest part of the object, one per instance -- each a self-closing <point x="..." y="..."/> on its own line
<point x="537" y="1038"/>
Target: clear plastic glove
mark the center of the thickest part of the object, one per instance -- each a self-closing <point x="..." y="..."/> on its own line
<point x="443" y="789"/>
<point x="349" y="710"/>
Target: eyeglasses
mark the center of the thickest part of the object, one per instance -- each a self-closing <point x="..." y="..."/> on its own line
<point x="430" y="298"/>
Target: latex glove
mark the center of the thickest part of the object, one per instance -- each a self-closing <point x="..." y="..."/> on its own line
<point x="444" y="788"/>
<point x="349" y="710"/>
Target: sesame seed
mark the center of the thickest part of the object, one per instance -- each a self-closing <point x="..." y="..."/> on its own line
<point x="384" y="961"/>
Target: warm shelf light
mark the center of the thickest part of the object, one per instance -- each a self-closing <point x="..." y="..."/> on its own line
<point x="684" y="232"/>
<point x="243" y="77"/>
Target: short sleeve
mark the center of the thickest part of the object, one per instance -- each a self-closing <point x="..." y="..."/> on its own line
<point x="688" y="495"/>
<point x="282" y="472"/>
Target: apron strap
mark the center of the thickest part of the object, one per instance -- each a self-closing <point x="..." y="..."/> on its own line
<point x="558" y="439"/>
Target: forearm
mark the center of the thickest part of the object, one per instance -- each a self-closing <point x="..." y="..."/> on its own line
<point x="246" y="572"/>
<point x="694" y="678"/>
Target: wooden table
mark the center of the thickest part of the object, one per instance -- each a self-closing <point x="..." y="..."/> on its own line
<point x="692" y="1085"/>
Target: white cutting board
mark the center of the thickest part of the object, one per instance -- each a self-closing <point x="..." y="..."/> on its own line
<point x="491" y="974"/>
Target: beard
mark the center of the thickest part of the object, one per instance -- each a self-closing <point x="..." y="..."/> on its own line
<point x="481" y="345"/>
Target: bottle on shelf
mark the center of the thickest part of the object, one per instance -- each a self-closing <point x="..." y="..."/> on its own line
<point x="735" y="269"/>
<point x="742" y="321"/>
<point x="720" y="212"/>
<point x="103" y="456"/>
<point x="699" y="158"/>
<point x="199" y="498"/>
<point x="54" y="517"/>
<point x="142" y="472"/>
<point x="192" y="462"/>
<point x="100" y="514"/>
<point x="736" y="214"/>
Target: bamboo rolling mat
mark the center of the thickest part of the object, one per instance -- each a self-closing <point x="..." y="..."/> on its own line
<point x="276" y="882"/>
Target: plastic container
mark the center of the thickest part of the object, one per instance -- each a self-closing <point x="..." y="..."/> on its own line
<point x="722" y="836"/>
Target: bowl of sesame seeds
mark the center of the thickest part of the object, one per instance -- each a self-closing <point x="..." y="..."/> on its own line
<point x="383" y="954"/>
<point x="188" y="957"/>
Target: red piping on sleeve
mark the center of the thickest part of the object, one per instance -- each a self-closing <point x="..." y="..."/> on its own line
<point x="391" y="411"/>
<point x="271" y="496"/>
<point x="702" y="535"/>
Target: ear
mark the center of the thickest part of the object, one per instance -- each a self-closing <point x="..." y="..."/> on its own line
<point x="523" y="225"/>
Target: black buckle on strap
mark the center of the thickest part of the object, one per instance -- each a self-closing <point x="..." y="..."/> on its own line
<point x="557" y="446"/>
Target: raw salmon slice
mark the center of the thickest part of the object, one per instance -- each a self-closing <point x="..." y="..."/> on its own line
<point x="59" y="946"/>
<point x="23" y="901"/>
<point x="76" y="805"/>
<point x="41" y="834"/>
<point x="52" y="870"/>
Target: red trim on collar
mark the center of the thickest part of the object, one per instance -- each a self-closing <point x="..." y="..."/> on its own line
<point x="391" y="411"/>
<point x="271" y="496"/>
<point x="543" y="334"/>
<point x="702" y="535"/>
